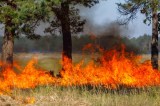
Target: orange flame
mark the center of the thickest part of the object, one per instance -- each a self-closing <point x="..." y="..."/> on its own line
<point x="113" y="69"/>
<point x="116" y="68"/>
<point x="29" y="78"/>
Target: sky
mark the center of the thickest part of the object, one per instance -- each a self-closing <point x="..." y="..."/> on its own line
<point x="106" y="12"/>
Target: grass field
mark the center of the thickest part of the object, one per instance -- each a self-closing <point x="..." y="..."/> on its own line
<point x="75" y="96"/>
<point x="48" y="61"/>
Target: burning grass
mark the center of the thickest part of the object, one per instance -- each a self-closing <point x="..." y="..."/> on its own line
<point x="112" y="69"/>
<point x="30" y="77"/>
<point x="115" y="68"/>
<point x="112" y="78"/>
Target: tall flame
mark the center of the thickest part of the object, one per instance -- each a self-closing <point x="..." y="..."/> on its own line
<point x="116" y="68"/>
<point x="30" y="77"/>
<point x="111" y="70"/>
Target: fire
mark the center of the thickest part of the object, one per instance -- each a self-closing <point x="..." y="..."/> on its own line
<point x="115" y="68"/>
<point x="112" y="69"/>
<point x="30" y="77"/>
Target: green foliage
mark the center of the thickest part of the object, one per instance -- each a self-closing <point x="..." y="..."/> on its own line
<point x="87" y="3"/>
<point x="24" y="15"/>
<point x="76" y="23"/>
<point x="131" y="7"/>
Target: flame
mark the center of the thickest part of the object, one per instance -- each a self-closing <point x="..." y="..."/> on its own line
<point x="29" y="100"/>
<point x="116" y="68"/>
<point x="30" y="77"/>
<point x="112" y="69"/>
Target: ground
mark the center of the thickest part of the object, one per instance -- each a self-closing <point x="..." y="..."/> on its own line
<point x="72" y="96"/>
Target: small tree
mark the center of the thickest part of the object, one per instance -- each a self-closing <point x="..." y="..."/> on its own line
<point x="150" y="9"/>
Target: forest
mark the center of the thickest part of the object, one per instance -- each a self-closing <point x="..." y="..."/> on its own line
<point x="54" y="43"/>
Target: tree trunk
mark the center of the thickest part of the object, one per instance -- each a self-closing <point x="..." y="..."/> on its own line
<point x="67" y="40"/>
<point x="154" y="43"/>
<point x="7" y="47"/>
<point x="66" y="32"/>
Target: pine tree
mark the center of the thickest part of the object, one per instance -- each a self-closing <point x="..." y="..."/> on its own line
<point x="18" y="17"/>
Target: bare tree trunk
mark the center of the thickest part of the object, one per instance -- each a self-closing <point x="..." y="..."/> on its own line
<point x="7" y="46"/>
<point x="154" y="43"/>
<point x="67" y="40"/>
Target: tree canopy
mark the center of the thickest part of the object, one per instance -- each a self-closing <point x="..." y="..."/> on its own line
<point x="25" y="15"/>
<point x="76" y="23"/>
<point x="130" y="8"/>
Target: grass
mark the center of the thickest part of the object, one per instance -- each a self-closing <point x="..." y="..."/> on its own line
<point x="73" y="96"/>
<point x="78" y="96"/>
<point x="47" y="61"/>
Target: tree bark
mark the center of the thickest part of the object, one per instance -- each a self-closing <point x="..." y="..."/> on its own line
<point x="154" y="43"/>
<point x="66" y="32"/>
<point x="7" y="46"/>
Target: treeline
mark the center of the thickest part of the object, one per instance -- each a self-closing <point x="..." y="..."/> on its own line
<point x="54" y="43"/>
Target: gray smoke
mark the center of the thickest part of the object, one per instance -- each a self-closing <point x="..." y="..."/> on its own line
<point x="106" y="28"/>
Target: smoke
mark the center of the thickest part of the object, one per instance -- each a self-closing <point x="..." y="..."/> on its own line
<point x="109" y="34"/>
<point x="101" y="26"/>
<point x="107" y="29"/>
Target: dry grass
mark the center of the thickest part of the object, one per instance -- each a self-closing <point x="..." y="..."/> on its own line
<point x="76" y="96"/>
